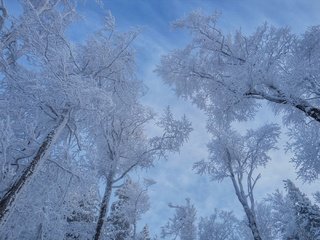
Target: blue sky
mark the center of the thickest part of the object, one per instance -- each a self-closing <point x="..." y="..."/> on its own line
<point x="175" y="178"/>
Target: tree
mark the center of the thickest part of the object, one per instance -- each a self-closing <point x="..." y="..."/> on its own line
<point x="144" y="234"/>
<point x="267" y="223"/>
<point x="139" y="204"/>
<point x="57" y="91"/>
<point x="30" y="38"/>
<point x="282" y="216"/>
<point x="182" y="224"/>
<point x="127" y="148"/>
<point x="306" y="214"/>
<point x="80" y="212"/>
<point x="221" y="225"/>
<point x="132" y="202"/>
<point x="226" y="76"/>
<point x="118" y="223"/>
<point x="237" y="157"/>
<point x="293" y="215"/>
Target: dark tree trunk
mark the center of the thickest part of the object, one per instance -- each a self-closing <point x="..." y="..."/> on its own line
<point x="8" y="200"/>
<point x="300" y="104"/>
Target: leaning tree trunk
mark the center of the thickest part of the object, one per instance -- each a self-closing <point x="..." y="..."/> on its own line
<point x="104" y="208"/>
<point x="252" y="222"/>
<point x="9" y="199"/>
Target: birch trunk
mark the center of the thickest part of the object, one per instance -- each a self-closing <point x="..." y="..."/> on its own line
<point x="9" y="199"/>
<point x="252" y="222"/>
<point x="103" y="209"/>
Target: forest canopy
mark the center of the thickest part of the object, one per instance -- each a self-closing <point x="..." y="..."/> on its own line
<point x="83" y="144"/>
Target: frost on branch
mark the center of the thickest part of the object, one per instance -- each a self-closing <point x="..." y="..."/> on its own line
<point x="110" y="21"/>
<point x="182" y="224"/>
<point x="306" y="214"/>
<point x="231" y="152"/>
<point x="175" y="133"/>
<point x="221" y="225"/>
<point x="227" y="75"/>
<point x="238" y="157"/>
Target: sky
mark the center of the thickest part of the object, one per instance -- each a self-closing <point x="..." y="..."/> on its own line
<point x="175" y="177"/>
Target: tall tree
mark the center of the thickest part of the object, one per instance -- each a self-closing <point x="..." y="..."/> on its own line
<point x="118" y="223"/>
<point x="237" y="157"/>
<point x="293" y="215"/>
<point x="221" y="225"/>
<point x="32" y="52"/>
<point x="227" y="76"/>
<point x="132" y="201"/>
<point x="282" y="215"/>
<point x="306" y="214"/>
<point x="57" y="91"/>
<point x="267" y="224"/>
<point x="127" y="148"/>
<point x="182" y="224"/>
<point x="144" y="234"/>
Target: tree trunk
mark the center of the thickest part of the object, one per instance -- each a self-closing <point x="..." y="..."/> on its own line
<point x="302" y="105"/>
<point x="9" y="199"/>
<point x="243" y="200"/>
<point x="252" y="222"/>
<point x="250" y="215"/>
<point x="104" y="208"/>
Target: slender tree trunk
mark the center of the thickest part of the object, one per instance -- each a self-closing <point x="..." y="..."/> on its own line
<point x="250" y="215"/>
<point x="243" y="200"/>
<point x="9" y="199"/>
<point x="104" y="208"/>
<point x="252" y="222"/>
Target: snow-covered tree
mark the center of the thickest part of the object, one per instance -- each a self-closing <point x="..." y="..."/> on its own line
<point x="81" y="212"/>
<point x="182" y="224"/>
<point x="144" y="234"/>
<point x="132" y="201"/>
<point x="282" y="215"/>
<point x="56" y="93"/>
<point x="32" y="49"/>
<point x="127" y="148"/>
<point x="221" y="225"/>
<point x="306" y="214"/>
<point x="293" y="215"/>
<point x="118" y="223"/>
<point x="227" y="75"/>
<point x="237" y="157"/>
<point x="317" y="197"/>
<point x="266" y="221"/>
